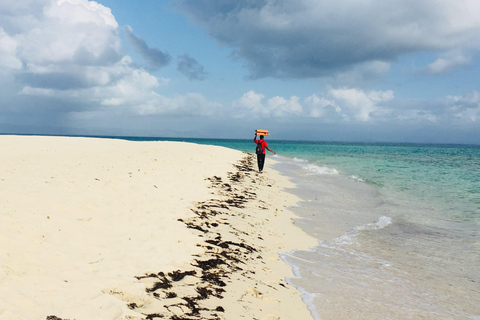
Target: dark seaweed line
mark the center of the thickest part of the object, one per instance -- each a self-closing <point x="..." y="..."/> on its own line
<point x="221" y="258"/>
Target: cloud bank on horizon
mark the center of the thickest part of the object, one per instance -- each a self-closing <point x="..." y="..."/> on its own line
<point x="65" y="68"/>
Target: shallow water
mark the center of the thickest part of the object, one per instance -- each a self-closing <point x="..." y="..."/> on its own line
<point x="397" y="229"/>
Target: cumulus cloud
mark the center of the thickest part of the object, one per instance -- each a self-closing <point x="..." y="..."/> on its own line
<point x="50" y="45"/>
<point x="281" y="107"/>
<point x="191" y="68"/>
<point x="75" y="32"/>
<point x="251" y="103"/>
<point x="355" y="106"/>
<point x="61" y="59"/>
<point x="338" y="105"/>
<point x="123" y="88"/>
<point x="359" y="105"/>
<point x="447" y="64"/>
<point x="321" y="107"/>
<point x="352" y="105"/>
<point x="310" y="38"/>
<point x="8" y="52"/>
<point x="155" y="58"/>
<point x="465" y="107"/>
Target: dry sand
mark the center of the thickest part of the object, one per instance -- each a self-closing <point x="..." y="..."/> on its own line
<point x="111" y="229"/>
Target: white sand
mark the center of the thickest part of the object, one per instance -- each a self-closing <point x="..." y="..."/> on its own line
<point x="81" y="217"/>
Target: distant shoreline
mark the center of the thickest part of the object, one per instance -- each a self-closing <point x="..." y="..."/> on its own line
<point x="194" y="139"/>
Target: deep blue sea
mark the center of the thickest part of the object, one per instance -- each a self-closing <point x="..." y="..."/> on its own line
<point x="397" y="227"/>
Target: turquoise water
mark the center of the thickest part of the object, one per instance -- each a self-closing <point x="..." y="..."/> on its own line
<point x="445" y="176"/>
<point x="405" y="218"/>
<point x="397" y="227"/>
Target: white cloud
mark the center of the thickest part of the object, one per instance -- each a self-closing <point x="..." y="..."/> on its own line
<point x="69" y="52"/>
<point x="320" y="107"/>
<point x="446" y="64"/>
<point x="8" y="50"/>
<point x="38" y="92"/>
<point x="112" y="102"/>
<point x="281" y="107"/>
<point x="344" y="104"/>
<point x="251" y="104"/>
<point x="357" y="104"/>
<point x="132" y="92"/>
<point x="71" y="32"/>
<point x="81" y="11"/>
<point x="465" y="107"/>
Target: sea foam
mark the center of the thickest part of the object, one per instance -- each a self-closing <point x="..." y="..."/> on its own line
<point x="349" y="237"/>
<point x="307" y="297"/>
<point x="355" y="178"/>
<point x="320" y="170"/>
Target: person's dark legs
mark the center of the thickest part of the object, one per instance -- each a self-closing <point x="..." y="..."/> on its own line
<point x="260" y="161"/>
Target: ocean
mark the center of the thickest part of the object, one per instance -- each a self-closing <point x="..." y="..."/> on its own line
<point x="397" y="227"/>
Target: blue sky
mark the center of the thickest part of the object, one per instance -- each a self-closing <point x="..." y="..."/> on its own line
<point x="350" y="70"/>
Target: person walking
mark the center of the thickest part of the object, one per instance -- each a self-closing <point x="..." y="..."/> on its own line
<point x="261" y="146"/>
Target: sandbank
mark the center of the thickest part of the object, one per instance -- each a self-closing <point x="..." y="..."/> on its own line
<point x="111" y="229"/>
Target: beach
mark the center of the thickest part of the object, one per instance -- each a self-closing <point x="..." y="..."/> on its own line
<point x="111" y="229"/>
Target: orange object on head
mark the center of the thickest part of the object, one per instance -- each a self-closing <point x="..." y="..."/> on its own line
<point x="260" y="132"/>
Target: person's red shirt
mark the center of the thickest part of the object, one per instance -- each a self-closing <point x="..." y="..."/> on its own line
<point x="264" y="144"/>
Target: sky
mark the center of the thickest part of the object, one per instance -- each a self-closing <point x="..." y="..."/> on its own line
<point x="343" y="70"/>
